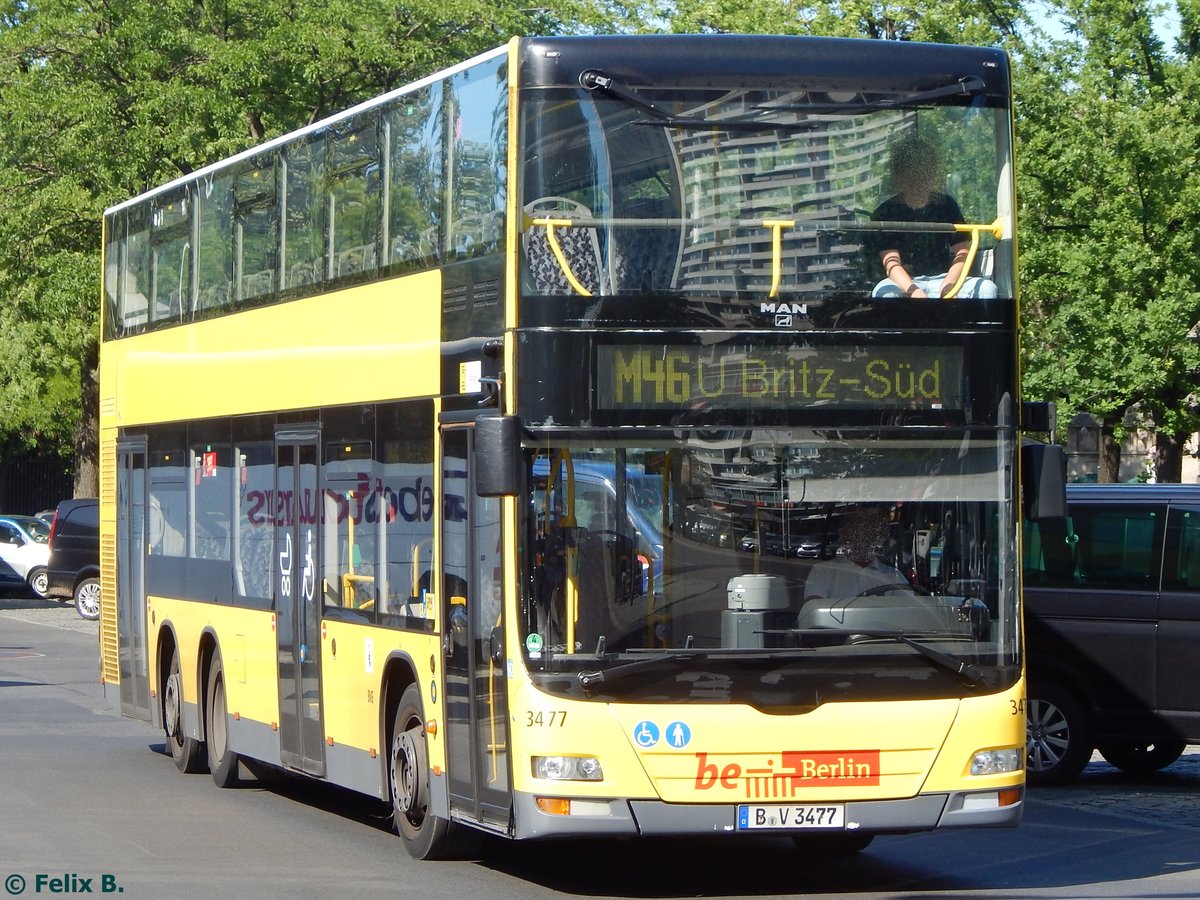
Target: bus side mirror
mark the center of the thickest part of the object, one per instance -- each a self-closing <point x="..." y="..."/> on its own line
<point x="498" y="469"/>
<point x="1043" y="481"/>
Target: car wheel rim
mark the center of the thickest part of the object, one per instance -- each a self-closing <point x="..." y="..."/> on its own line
<point x="1047" y="736"/>
<point x="89" y="600"/>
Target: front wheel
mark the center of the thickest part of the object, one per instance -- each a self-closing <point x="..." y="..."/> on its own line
<point x="425" y="835"/>
<point x="222" y="762"/>
<point x="87" y="598"/>
<point x="1141" y="757"/>
<point x="1058" y="742"/>
<point x="39" y="581"/>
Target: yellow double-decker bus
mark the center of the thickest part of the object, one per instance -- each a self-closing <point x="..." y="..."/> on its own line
<point x="598" y="437"/>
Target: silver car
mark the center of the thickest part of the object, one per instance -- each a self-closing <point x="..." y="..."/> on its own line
<point x="24" y="552"/>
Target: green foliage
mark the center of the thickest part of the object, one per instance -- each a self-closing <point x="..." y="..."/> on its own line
<point x="102" y="101"/>
<point x="1110" y="220"/>
<point x="946" y="21"/>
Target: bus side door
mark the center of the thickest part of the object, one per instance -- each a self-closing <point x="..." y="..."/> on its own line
<point x="471" y="592"/>
<point x="298" y="598"/>
<point x="131" y="579"/>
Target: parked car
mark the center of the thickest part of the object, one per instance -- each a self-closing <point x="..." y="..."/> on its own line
<point x="1112" y="612"/>
<point x="24" y="552"/>
<point x="803" y="546"/>
<point x="74" y="567"/>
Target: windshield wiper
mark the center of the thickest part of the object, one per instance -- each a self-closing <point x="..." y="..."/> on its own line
<point x="969" y="673"/>
<point x="595" y="80"/>
<point x="589" y="679"/>
<point x="592" y="678"/>
<point x="966" y="86"/>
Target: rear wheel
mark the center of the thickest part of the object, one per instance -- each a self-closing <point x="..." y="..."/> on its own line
<point x="39" y="581"/>
<point x="425" y="835"/>
<point x="1141" y="757"/>
<point x="87" y="598"/>
<point x="184" y="750"/>
<point x="1058" y="742"/>
<point x="222" y="762"/>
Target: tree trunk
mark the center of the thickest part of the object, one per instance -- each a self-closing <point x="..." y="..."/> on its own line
<point x="87" y="438"/>
<point x="1110" y="454"/>
<point x="1168" y="457"/>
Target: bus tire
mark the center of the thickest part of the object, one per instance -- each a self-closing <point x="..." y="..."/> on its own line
<point x="425" y="835"/>
<point x="185" y="751"/>
<point x="1058" y="739"/>
<point x="222" y="762"/>
<point x="1141" y="757"/>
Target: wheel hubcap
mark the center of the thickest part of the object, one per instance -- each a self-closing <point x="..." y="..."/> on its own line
<point x="1047" y="736"/>
<point x="89" y="600"/>
<point x="171" y="706"/>
<point x="407" y="775"/>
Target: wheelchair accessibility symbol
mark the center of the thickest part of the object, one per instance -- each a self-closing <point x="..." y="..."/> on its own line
<point x="645" y="734"/>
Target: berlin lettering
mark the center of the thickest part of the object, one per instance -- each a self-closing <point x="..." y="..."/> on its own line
<point x="794" y="772"/>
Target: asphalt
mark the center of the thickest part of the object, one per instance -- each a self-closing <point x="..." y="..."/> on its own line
<point x="1167" y="797"/>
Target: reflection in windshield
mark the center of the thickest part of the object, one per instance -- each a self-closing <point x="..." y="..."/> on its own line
<point x="782" y="546"/>
<point x="626" y="193"/>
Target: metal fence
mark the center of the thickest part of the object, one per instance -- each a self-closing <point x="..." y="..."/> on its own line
<point x="28" y="486"/>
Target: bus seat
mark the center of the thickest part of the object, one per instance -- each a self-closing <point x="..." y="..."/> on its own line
<point x="580" y="246"/>
<point x="646" y="258"/>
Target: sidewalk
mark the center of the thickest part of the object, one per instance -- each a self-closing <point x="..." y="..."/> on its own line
<point x="1168" y="797"/>
<point x="52" y="613"/>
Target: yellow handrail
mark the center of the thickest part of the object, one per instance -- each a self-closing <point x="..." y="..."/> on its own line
<point x="552" y="239"/>
<point x="777" y="226"/>
<point x="996" y="229"/>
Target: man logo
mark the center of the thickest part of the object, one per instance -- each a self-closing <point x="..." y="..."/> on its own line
<point x="784" y="313"/>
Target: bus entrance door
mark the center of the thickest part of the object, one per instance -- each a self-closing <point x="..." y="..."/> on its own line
<point x="298" y="599"/>
<point x="476" y="689"/>
<point x="131" y="582"/>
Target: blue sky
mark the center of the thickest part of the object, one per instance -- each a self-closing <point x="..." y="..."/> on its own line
<point x="1167" y="21"/>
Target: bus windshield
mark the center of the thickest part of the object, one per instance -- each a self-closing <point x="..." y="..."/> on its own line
<point x="722" y="562"/>
<point x="753" y="193"/>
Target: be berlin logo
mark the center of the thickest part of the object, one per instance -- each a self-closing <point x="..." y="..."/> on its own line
<point x="67" y="883"/>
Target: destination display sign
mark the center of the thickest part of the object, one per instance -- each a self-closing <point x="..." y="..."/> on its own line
<point x="659" y="377"/>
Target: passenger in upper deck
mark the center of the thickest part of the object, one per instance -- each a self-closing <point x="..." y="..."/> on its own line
<point x="921" y="264"/>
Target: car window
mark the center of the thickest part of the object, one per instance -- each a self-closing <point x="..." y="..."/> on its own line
<point x="37" y="529"/>
<point x="85" y="518"/>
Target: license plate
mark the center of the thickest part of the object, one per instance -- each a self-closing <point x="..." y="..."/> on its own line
<point x="807" y="815"/>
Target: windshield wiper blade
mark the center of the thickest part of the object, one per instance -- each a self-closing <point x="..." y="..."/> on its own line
<point x="595" y="80"/>
<point x="592" y="678"/>
<point x="964" y="87"/>
<point x="969" y="673"/>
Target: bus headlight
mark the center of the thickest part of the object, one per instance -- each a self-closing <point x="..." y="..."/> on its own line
<point x="997" y="762"/>
<point x="567" y="768"/>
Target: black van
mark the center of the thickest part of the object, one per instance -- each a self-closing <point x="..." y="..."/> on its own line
<point x="74" y="569"/>
<point x="1112" y="627"/>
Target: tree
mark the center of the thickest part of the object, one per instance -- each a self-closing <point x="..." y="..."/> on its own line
<point x="947" y="21"/>
<point x="103" y="100"/>
<point x="1111" y="226"/>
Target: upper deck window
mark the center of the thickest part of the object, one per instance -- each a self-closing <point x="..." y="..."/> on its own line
<point x="753" y="194"/>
